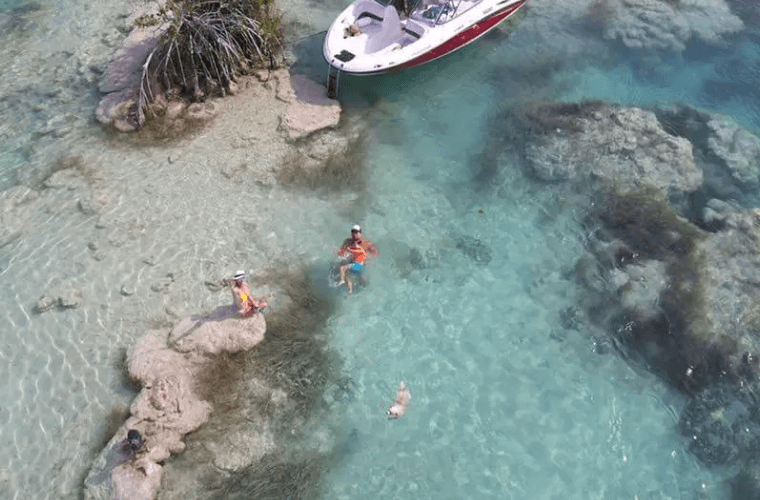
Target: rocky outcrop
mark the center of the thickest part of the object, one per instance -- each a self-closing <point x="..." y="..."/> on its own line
<point x="737" y="149"/>
<point x="64" y="296"/>
<point x="674" y="278"/>
<point x="722" y="427"/>
<point x="308" y="108"/>
<point x="169" y="365"/>
<point x="121" y="81"/>
<point x="684" y="300"/>
<point x="667" y="24"/>
<point x="731" y="275"/>
<point x="621" y="148"/>
<point x="728" y="154"/>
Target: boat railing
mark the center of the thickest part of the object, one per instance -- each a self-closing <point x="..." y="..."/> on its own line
<point x="438" y="11"/>
<point x="447" y="5"/>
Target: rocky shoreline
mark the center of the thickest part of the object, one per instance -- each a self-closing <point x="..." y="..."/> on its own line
<point x="170" y="367"/>
<point x="673" y="254"/>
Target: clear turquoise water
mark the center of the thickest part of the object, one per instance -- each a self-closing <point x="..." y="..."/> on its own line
<point x="506" y="402"/>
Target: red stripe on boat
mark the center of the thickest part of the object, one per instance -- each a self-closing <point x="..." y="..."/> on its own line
<point x="467" y="36"/>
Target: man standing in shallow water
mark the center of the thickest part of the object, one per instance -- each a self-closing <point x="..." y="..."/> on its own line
<point x="358" y="236"/>
<point x="369" y="247"/>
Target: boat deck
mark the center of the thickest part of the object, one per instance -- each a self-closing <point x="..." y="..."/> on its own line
<point x="431" y="11"/>
<point x="371" y="37"/>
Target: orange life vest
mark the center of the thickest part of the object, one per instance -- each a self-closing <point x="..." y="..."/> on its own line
<point x="358" y="254"/>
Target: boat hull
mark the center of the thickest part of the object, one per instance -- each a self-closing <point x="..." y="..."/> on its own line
<point x="466" y="37"/>
<point x="441" y="49"/>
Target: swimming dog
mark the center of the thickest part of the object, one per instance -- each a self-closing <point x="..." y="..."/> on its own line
<point x="398" y="408"/>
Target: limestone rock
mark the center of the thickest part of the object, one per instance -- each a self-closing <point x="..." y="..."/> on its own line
<point x="239" y="449"/>
<point x="624" y="148"/>
<point x="133" y="483"/>
<point x="168" y="407"/>
<point x="732" y="280"/>
<point x="738" y="149"/>
<point x="114" y="109"/>
<point x="686" y="300"/>
<point x="125" y="69"/>
<point x="309" y="109"/>
<point x="728" y="154"/>
<point x="63" y="295"/>
<point x="150" y="358"/>
<point x="474" y="249"/>
<point x="715" y="213"/>
<point x="658" y="24"/>
<point x="215" y="337"/>
<point x="71" y="298"/>
<point x="640" y="286"/>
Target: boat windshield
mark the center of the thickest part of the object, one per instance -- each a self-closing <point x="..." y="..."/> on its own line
<point x="433" y="11"/>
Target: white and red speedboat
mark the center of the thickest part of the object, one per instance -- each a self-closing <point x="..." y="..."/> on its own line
<point x="372" y="37"/>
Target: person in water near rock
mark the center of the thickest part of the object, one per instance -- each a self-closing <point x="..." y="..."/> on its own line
<point x="241" y="296"/>
<point x="131" y="444"/>
<point x="355" y="257"/>
<point x="371" y="250"/>
<point x="357" y="235"/>
<point x="134" y="440"/>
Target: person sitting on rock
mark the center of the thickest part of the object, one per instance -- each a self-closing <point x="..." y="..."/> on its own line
<point x="241" y="296"/>
<point x="131" y="445"/>
<point x="134" y="440"/>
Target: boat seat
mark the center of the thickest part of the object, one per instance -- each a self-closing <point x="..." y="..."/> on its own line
<point x="364" y="21"/>
<point x="389" y="32"/>
<point x="414" y="29"/>
<point x="369" y="9"/>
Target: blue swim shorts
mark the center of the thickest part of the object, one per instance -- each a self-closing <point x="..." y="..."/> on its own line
<point x="356" y="268"/>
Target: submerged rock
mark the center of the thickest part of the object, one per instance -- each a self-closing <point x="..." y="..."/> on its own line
<point x="731" y="281"/>
<point x="728" y="154"/>
<point x="723" y="426"/>
<point x="668" y="25"/>
<point x="685" y="302"/>
<point x="64" y="296"/>
<point x="474" y="249"/>
<point x="738" y="149"/>
<point x="621" y="148"/>
<point x="746" y="484"/>
<point x="309" y="108"/>
<point x="169" y="366"/>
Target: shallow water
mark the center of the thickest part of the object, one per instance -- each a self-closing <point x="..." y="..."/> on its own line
<point x="506" y="403"/>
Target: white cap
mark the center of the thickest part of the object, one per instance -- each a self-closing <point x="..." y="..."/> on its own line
<point x="356" y="227"/>
<point x="240" y="275"/>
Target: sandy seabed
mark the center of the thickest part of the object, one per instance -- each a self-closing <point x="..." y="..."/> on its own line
<point x="132" y="231"/>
